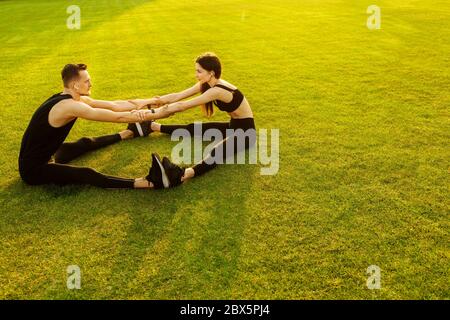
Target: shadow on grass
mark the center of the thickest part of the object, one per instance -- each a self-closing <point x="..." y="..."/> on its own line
<point x="177" y="243"/>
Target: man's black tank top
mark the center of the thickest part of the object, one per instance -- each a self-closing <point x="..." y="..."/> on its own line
<point x="40" y="140"/>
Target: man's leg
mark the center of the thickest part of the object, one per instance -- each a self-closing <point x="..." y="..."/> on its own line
<point x="61" y="174"/>
<point x="71" y="150"/>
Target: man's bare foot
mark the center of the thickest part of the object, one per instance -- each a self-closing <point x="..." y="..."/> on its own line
<point x="142" y="183"/>
<point x="126" y="134"/>
<point x="155" y="126"/>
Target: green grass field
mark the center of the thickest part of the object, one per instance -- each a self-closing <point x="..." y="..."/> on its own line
<point x="364" y="152"/>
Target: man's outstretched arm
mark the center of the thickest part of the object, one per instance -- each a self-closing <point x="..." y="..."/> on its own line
<point x="84" y="111"/>
<point x="117" y="105"/>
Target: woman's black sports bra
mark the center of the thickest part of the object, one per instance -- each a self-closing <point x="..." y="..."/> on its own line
<point x="238" y="97"/>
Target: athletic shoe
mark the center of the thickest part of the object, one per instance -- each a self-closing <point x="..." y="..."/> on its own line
<point x="173" y="172"/>
<point x="141" y="129"/>
<point x="157" y="174"/>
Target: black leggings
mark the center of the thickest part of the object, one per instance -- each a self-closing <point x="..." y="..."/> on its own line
<point x="241" y="139"/>
<point x="62" y="174"/>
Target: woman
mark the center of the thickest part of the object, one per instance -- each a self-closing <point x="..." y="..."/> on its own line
<point x="215" y="90"/>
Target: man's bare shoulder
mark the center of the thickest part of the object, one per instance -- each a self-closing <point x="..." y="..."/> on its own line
<point x="70" y="104"/>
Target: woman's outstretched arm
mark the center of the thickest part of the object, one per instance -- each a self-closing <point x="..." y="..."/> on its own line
<point x="174" y="97"/>
<point x="168" y="98"/>
<point x="210" y="95"/>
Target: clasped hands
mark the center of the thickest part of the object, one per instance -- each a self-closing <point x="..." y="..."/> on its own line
<point x="154" y="102"/>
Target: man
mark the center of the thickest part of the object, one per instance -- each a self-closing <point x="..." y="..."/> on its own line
<point x="43" y="154"/>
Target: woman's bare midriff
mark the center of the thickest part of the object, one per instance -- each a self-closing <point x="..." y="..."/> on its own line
<point x="244" y="111"/>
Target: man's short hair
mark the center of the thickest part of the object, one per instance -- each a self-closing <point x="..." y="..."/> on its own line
<point x="71" y="71"/>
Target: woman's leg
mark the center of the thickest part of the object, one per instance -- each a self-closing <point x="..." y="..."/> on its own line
<point x="242" y="139"/>
<point x="168" y="129"/>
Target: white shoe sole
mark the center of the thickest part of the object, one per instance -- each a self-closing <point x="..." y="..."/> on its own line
<point x="165" y="179"/>
<point x="139" y="129"/>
